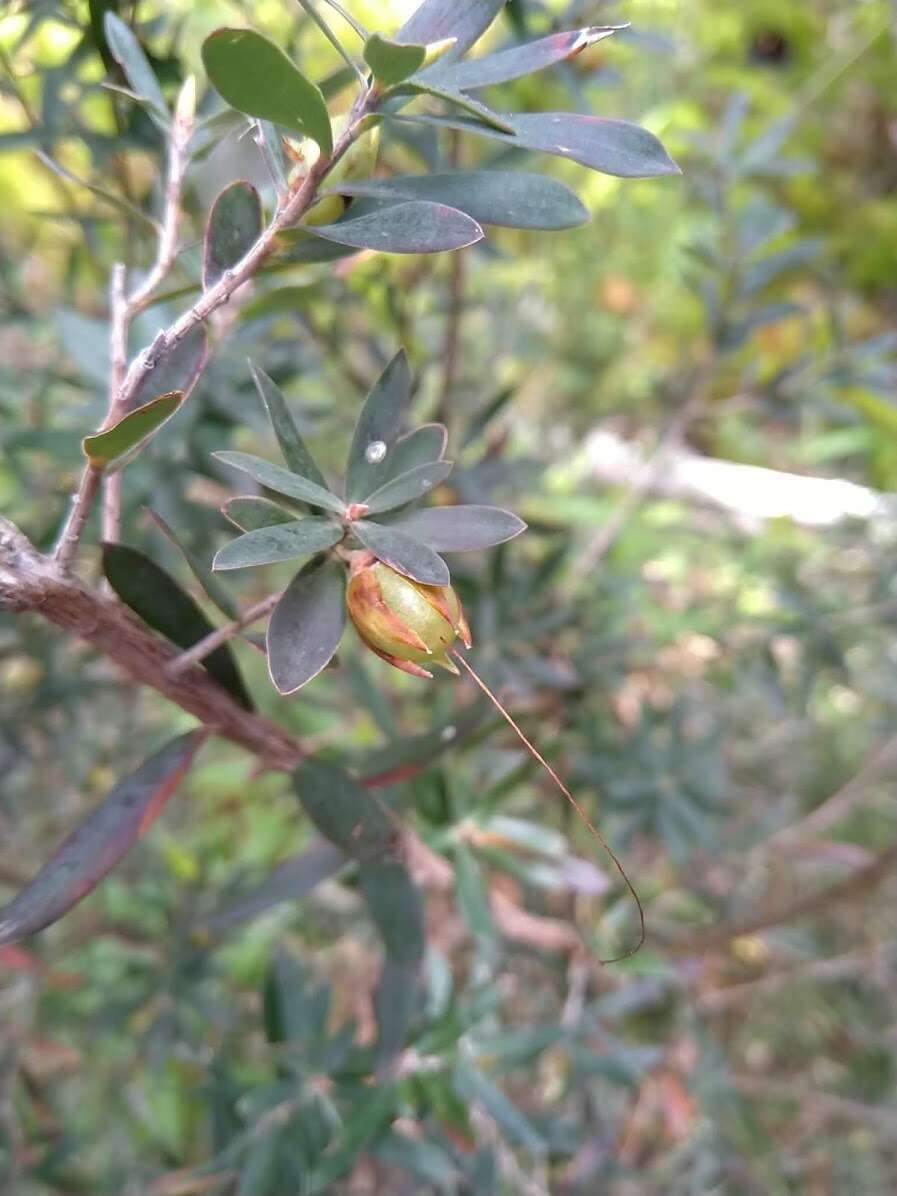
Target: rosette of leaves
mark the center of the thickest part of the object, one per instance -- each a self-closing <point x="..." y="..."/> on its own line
<point x="389" y="471"/>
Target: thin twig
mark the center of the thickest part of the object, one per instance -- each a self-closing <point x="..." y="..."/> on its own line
<point x="839" y="807"/>
<point x="120" y="321"/>
<point x="181" y="132"/>
<point x="206" y="646"/>
<point x="860" y="882"/>
<point x="73" y="528"/>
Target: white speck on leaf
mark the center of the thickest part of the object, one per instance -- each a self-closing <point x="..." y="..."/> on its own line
<point x="447" y="734"/>
<point x="375" y="452"/>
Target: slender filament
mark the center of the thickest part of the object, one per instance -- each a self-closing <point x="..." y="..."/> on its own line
<point x="593" y="830"/>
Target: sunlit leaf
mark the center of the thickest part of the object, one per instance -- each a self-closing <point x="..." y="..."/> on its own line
<point x="343" y="811"/>
<point x="256" y="77"/>
<point x="282" y="542"/>
<point x="517" y="61"/>
<point x="513" y="199"/>
<point x="276" y="478"/>
<point x="435" y="20"/>
<point x="106" y="836"/>
<point x="390" y="61"/>
<point x="461" y="528"/>
<point x="234" y="225"/>
<point x="295" y="452"/>
<point x="122" y="442"/>
<point x="160" y="602"/>
<point x="414" y="227"/>
<point x="403" y="553"/>
<point x="307" y="625"/>
<point x="408" y="486"/>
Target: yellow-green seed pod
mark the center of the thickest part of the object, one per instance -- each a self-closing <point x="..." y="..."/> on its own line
<point x="408" y="624"/>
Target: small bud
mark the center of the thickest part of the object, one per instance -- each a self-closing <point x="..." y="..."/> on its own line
<point x="408" y="624"/>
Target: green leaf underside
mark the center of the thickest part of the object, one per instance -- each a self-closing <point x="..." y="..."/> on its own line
<point x="403" y="553"/>
<point x="276" y="478"/>
<point x="462" y="528"/>
<point x="422" y="446"/>
<point x="343" y="811"/>
<point x="459" y="99"/>
<point x="610" y="146"/>
<point x="160" y="602"/>
<point x="283" y="542"/>
<point x="234" y="225"/>
<point x="413" y="227"/>
<point x="408" y="486"/>
<point x="391" y="62"/>
<point x="291" y="880"/>
<point x="518" y="61"/>
<point x="211" y="586"/>
<point x="295" y="452"/>
<point x="382" y="417"/>
<point x="255" y="76"/>
<point x="396" y="907"/>
<point x="175" y="368"/>
<point x="435" y="20"/>
<point x="251" y="512"/>
<point x="100" y="842"/>
<point x="129" y="55"/>
<point x="307" y="625"/>
<point x="512" y="199"/>
<point x="120" y="443"/>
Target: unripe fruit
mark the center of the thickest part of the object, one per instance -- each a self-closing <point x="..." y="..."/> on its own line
<point x="406" y="623"/>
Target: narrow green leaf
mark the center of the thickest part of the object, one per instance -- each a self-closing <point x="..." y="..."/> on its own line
<point x="293" y="879"/>
<point x="413" y="227"/>
<point x="512" y="199"/>
<point x="396" y="907"/>
<point x="119" y="444"/>
<point x="284" y="542"/>
<point x="211" y="586"/>
<point x="307" y="625"/>
<point x="610" y="146"/>
<point x="281" y="480"/>
<point x="403" y="553"/>
<point x="518" y="61"/>
<point x="462" y="528"/>
<point x="379" y="424"/>
<point x="129" y="55"/>
<point x="392" y="62"/>
<point x="255" y="76"/>
<point x="299" y="460"/>
<point x="160" y="602"/>
<point x="250" y="512"/>
<point x="234" y="225"/>
<point x="174" y="368"/>
<point x="408" y="487"/>
<point x="436" y="20"/>
<point x="106" y="836"/>
<point x="345" y="813"/>
<point x="473" y="1085"/>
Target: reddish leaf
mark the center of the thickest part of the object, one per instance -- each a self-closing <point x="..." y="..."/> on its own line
<point x="94" y="849"/>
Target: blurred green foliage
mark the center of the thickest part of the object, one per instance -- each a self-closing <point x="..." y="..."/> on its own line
<point x="707" y="680"/>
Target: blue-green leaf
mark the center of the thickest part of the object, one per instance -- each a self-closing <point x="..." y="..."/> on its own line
<point x="307" y="625"/>
<point x="282" y="542"/>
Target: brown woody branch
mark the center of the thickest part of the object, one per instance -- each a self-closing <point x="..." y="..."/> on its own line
<point x="32" y="582"/>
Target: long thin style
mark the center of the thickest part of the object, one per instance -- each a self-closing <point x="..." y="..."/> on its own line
<point x="596" y="834"/>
